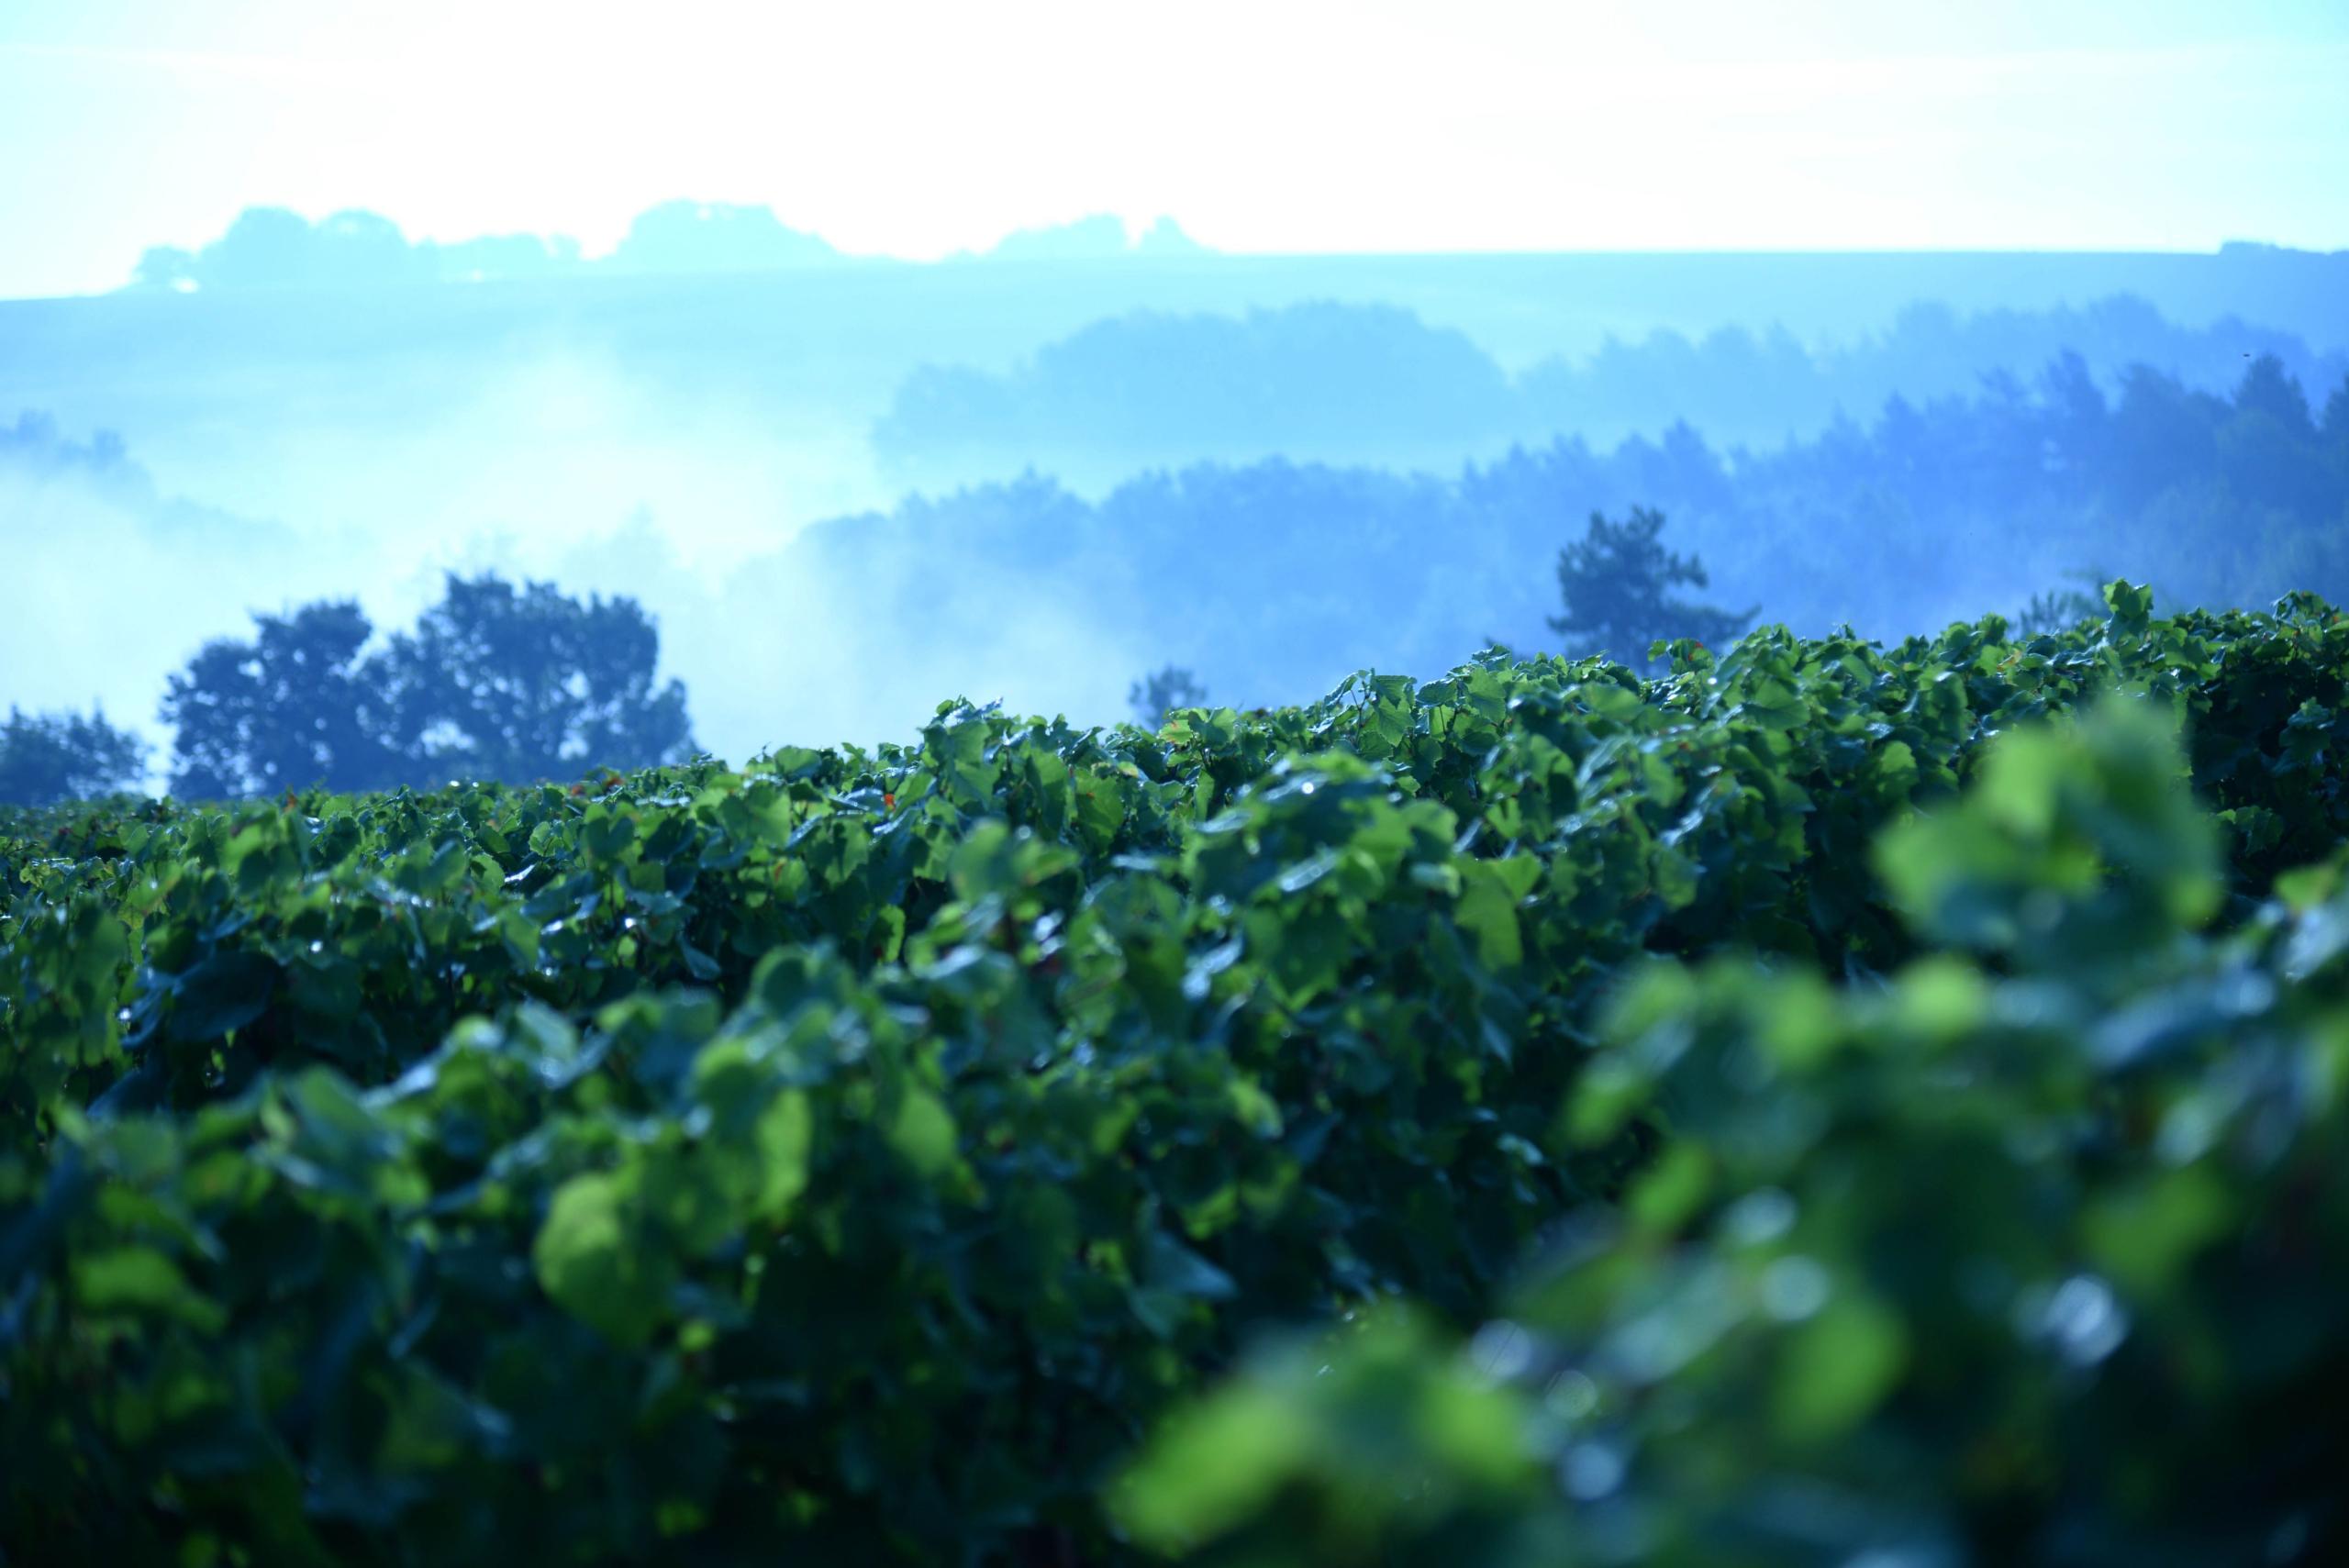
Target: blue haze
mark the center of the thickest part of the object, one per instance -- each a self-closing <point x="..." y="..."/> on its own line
<point x="851" y="487"/>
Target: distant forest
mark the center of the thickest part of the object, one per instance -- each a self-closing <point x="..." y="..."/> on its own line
<point x="1364" y="383"/>
<point x="1266" y="578"/>
<point x="495" y="682"/>
<point x="1270" y="579"/>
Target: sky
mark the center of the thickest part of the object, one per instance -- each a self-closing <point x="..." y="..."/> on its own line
<point x="914" y="127"/>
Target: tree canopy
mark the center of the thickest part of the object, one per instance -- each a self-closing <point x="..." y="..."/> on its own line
<point x="49" y="758"/>
<point x="497" y="682"/>
<point x="298" y="704"/>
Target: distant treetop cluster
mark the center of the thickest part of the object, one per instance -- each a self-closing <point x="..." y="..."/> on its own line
<point x="47" y="758"/>
<point x="499" y="682"/>
<point x="276" y="248"/>
<point x="1934" y="510"/>
<point x="496" y="683"/>
<point x="1348" y="380"/>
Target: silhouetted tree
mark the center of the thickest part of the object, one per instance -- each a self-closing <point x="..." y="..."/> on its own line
<point x="2268" y="448"/>
<point x="49" y="758"/>
<point x="1161" y="692"/>
<point x="715" y="236"/>
<point x="295" y="706"/>
<point x="2337" y="423"/>
<point x="495" y="683"/>
<point x="2268" y="388"/>
<point x="272" y="248"/>
<point x="526" y="684"/>
<point x="1617" y="583"/>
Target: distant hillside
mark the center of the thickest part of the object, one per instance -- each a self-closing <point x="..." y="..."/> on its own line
<point x="1376" y="383"/>
<point x="1270" y="579"/>
<point x="320" y="402"/>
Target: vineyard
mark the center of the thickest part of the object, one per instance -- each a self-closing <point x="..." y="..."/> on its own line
<point x="1825" y="1104"/>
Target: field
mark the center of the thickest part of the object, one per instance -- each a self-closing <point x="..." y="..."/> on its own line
<point x="1828" y="1099"/>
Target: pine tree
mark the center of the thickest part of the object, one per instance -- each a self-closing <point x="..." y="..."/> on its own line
<point x="1617" y="583"/>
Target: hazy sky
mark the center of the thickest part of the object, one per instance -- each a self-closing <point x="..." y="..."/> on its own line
<point x="922" y="125"/>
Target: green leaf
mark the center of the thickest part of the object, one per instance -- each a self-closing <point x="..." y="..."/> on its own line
<point x="597" y="1264"/>
<point x="224" y="992"/>
<point x="785" y="1133"/>
<point x="923" y="1132"/>
<point x="140" y="1279"/>
<point x="2144" y="1233"/>
<point x="1487" y="911"/>
<point x="1837" y="1366"/>
<point x="1210" y="1468"/>
<point x="1169" y="1266"/>
<point x="1304" y="951"/>
<point x="1662" y="1200"/>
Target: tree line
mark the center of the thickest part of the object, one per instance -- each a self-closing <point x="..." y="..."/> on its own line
<point x="515" y="683"/>
<point x="497" y="681"/>
<point x="1269" y="578"/>
<point x="1261" y="579"/>
<point x="1348" y="380"/>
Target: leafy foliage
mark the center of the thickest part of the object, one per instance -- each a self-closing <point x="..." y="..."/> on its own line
<point x="854" y="1155"/>
<point x="1617" y="582"/>
<point x="495" y="683"/>
<point x="2031" y="1254"/>
<point x="49" y="758"/>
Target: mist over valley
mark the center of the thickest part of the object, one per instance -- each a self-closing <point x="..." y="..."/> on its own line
<point x="846" y="487"/>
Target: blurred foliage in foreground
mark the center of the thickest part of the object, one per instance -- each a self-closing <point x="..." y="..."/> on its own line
<point x="2035" y="1252"/>
<point x="1920" y="1114"/>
